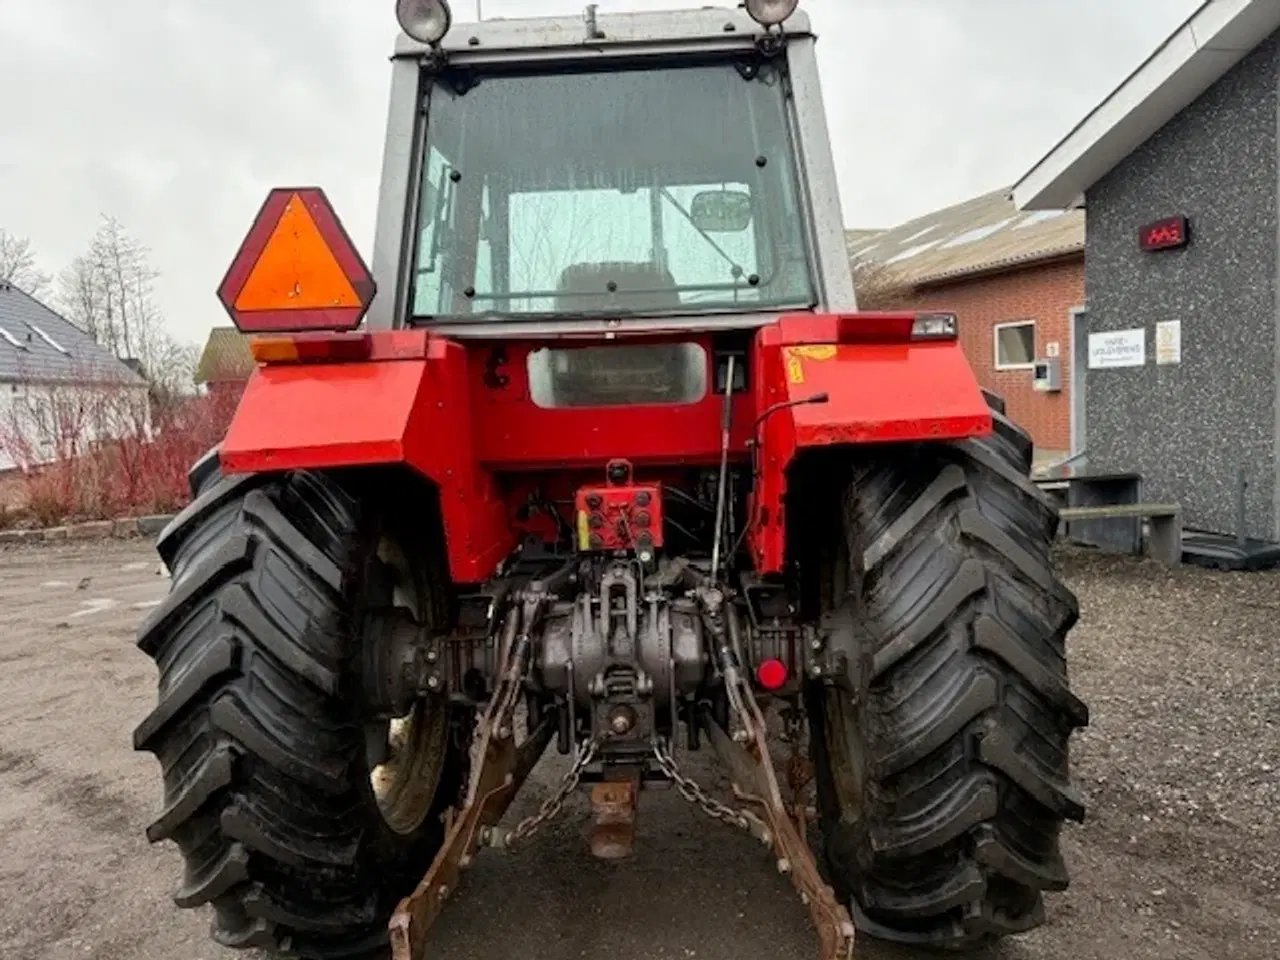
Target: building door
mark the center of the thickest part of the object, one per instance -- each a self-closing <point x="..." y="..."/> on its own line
<point x="1079" y="378"/>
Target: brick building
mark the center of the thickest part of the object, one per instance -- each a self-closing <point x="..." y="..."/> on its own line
<point x="1016" y="282"/>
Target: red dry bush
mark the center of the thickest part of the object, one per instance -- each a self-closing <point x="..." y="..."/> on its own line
<point x="89" y="453"/>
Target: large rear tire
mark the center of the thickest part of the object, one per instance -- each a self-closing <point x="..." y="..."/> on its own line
<point x="260" y="730"/>
<point x="943" y="780"/>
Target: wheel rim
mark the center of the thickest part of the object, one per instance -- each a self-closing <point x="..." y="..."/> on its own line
<point x="844" y="755"/>
<point x="405" y="783"/>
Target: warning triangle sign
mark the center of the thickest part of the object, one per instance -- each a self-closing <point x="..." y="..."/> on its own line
<point x="296" y="269"/>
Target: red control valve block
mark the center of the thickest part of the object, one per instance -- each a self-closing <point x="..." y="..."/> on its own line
<point x="620" y="515"/>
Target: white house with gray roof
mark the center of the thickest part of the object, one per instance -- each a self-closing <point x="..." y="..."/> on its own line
<point x="57" y="384"/>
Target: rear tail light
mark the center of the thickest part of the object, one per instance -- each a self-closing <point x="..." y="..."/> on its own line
<point x="896" y="327"/>
<point x="311" y="348"/>
<point x="772" y="675"/>
<point x="934" y="326"/>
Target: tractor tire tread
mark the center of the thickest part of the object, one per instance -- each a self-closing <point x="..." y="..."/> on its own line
<point x="1000" y="751"/>
<point x="222" y="495"/>
<point x="240" y="606"/>
<point x="248" y="725"/>
<point x="928" y="722"/>
<point x="204" y="471"/>
<point x="255" y="729"/>
<point x="960" y="807"/>
<point x="963" y="886"/>
<point x="233" y="556"/>
<point x="261" y="832"/>
<point x="218" y="659"/>
<point x="210" y="881"/>
<point x="965" y="710"/>
<point x="260" y="904"/>
<point x="246" y="934"/>
<point x="1049" y="873"/>
<point x="213" y="772"/>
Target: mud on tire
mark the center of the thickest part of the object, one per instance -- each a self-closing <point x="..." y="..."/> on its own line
<point x="943" y="773"/>
<point x="258" y="728"/>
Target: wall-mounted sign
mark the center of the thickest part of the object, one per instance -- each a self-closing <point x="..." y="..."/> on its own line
<point x="1169" y="342"/>
<point x="1118" y="348"/>
<point x="1167" y="234"/>
<point x="1052" y="349"/>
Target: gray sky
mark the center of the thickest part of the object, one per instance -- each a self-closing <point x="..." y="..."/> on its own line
<point x="177" y="116"/>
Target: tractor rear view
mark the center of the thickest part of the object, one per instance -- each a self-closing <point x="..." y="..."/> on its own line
<point x="600" y="454"/>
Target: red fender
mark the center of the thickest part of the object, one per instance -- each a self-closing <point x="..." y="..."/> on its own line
<point x="880" y="387"/>
<point x="415" y="410"/>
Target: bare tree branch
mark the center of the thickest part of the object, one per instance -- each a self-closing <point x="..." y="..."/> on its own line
<point x="18" y="265"/>
<point x="173" y="374"/>
<point x="108" y="293"/>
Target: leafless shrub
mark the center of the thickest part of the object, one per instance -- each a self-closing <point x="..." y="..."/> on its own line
<point x="98" y="451"/>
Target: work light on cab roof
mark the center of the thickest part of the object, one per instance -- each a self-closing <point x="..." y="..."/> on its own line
<point x="427" y="21"/>
<point x="771" y="13"/>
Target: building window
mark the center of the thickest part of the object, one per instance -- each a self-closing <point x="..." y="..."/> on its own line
<point x="1015" y="345"/>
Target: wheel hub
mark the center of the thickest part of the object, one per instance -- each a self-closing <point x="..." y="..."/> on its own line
<point x="407" y="724"/>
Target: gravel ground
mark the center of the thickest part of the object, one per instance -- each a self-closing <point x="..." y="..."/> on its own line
<point x="1179" y="860"/>
<point x="1180" y="765"/>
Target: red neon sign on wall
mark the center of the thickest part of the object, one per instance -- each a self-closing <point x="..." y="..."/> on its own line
<point x="1166" y="234"/>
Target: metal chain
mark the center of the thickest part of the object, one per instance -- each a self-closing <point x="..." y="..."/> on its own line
<point x="552" y="806"/>
<point x="695" y="794"/>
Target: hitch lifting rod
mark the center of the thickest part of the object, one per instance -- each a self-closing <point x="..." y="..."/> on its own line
<point x="726" y="425"/>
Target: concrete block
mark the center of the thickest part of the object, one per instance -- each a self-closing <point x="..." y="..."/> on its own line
<point x="56" y="533"/>
<point x="93" y="530"/>
<point x="21" y="536"/>
<point x="153" y="526"/>
<point x="1164" y="541"/>
<point x="125" y="527"/>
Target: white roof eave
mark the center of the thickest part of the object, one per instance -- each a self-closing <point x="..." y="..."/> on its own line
<point x="1217" y="36"/>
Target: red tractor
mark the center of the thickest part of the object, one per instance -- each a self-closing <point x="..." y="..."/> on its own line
<point x="609" y="461"/>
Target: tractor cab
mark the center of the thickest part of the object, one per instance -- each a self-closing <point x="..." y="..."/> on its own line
<point x="629" y="171"/>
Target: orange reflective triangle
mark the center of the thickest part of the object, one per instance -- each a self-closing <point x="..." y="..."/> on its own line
<point x="297" y="270"/>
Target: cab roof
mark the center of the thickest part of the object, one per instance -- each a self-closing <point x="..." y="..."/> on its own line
<point x="719" y="25"/>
